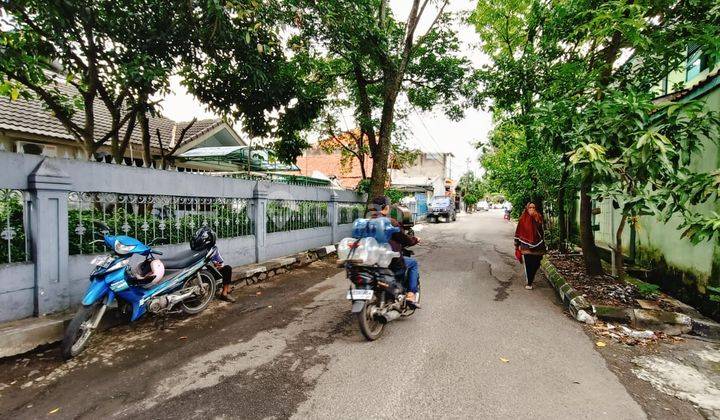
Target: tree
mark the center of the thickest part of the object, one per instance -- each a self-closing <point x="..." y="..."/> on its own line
<point x="78" y="56"/>
<point x="553" y="63"/>
<point x="640" y="173"/>
<point x="379" y="59"/>
<point x="522" y="174"/>
<point x="472" y="186"/>
<point x="240" y="67"/>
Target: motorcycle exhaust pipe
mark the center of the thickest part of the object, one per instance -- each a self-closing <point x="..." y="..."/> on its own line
<point x="389" y="316"/>
<point x="168" y="301"/>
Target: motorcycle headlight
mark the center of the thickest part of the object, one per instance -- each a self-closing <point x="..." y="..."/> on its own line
<point x="123" y="249"/>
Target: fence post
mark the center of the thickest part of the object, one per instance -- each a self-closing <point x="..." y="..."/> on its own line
<point x="333" y="216"/>
<point x="49" y="187"/>
<point x="260" y="200"/>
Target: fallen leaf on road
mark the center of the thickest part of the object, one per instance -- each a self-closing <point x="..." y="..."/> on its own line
<point x="182" y="338"/>
<point x="504" y="360"/>
<point x="54" y="410"/>
<point x="600" y="344"/>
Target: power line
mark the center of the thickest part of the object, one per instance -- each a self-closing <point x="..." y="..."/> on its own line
<point x="435" y="143"/>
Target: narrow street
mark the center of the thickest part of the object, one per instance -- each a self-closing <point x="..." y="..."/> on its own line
<point x="481" y="347"/>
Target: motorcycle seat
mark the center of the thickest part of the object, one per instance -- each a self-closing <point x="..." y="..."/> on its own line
<point x="183" y="259"/>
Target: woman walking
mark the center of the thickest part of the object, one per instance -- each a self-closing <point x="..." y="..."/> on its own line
<point x="530" y="242"/>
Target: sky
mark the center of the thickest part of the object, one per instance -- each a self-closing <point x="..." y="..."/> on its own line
<point x="430" y="131"/>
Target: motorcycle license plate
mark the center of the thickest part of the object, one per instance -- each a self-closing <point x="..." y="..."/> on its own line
<point x="359" y="294"/>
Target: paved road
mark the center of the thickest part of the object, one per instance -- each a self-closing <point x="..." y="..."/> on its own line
<point x="290" y="349"/>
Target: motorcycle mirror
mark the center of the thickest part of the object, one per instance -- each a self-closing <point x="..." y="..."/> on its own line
<point x="101" y="227"/>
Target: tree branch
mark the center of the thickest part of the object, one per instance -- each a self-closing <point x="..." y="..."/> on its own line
<point x="432" y="25"/>
<point x="52" y="102"/>
<point x="179" y="142"/>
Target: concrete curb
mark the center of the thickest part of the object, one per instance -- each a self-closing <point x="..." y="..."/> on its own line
<point x="24" y="335"/>
<point x="671" y="323"/>
<point x="255" y="273"/>
<point x="579" y="307"/>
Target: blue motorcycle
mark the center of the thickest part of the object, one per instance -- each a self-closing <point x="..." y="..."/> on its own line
<point x="144" y="288"/>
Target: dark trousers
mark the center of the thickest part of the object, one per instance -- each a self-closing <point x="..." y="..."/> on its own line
<point x="532" y="264"/>
<point x="226" y="272"/>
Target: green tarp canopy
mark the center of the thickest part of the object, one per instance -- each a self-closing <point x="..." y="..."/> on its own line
<point x="236" y="155"/>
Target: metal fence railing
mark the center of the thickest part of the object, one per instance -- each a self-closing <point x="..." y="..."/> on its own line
<point x="14" y="245"/>
<point x="348" y="212"/>
<point x="287" y="215"/>
<point x="163" y="218"/>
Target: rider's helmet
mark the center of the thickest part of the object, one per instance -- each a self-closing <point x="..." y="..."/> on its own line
<point x="204" y="239"/>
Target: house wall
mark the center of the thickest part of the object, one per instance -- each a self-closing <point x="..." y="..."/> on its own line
<point x="68" y="150"/>
<point x="427" y="166"/>
<point x="52" y="280"/>
<point x="8" y="143"/>
<point x="677" y="263"/>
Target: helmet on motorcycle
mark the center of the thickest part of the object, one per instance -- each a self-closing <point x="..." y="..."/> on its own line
<point x="204" y="239"/>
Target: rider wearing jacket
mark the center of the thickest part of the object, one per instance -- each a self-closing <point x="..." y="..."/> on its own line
<point x="380" y="207"/>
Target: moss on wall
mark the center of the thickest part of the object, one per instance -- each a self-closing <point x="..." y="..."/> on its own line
<point x="688" y="285"/>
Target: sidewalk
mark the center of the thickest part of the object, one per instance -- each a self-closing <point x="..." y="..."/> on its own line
<point x="21" y="336"/>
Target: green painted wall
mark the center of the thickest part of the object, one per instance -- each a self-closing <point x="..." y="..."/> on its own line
<point x="657" y="241"/>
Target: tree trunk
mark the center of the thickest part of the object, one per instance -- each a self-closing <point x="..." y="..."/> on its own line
<point x="591" y="256"/>
<point x="562" y="216"/>
<point x="380" y="166"/>
<point x="382" y="154"/>
<point x="361" y="159"/>
<point x="618" y="268"/>
<point x="145" y="131"/>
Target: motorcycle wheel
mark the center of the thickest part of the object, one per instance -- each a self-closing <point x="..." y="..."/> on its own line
<point x="77" y="335"/>
<point x="198" y="304"/>
<point x="370" y="327"/>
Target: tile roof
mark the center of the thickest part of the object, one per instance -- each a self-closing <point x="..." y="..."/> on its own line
<point x="31" y="116"/>
<point x="683" y="93"/>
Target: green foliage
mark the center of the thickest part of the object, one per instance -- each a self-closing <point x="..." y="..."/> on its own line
<point x="149" y="224"/>
<point x="646" y="290"/>
<point x="11" y="224"/>
<point x="566" y="96"/>
<point x="349" y="212"/>
<point x="384" y="67"/>
<point x="363" y="187"/>
<point x="394" y="195"/>
<point x="470" y="185"/>
<point x="78" y="56"/>
<point x="283" y="216"/>
<point x="521" y="172"/>
<point x="470" y="199"/>
<point x="714" y="294"/>
<point x="240" y="67"/>
<point x="552" y="236"/>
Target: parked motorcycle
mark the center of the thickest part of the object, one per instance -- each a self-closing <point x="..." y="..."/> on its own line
<point x="143" y="288"/>
<point x="377" y="291"/>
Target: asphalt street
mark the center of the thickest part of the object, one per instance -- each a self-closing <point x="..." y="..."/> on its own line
<point x="481" y="347"/>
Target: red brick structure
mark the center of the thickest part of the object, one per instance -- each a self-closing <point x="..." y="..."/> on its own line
<point x="331" y="164"/>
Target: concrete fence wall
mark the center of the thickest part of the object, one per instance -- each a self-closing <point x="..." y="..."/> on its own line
<point x="52" y="280"/>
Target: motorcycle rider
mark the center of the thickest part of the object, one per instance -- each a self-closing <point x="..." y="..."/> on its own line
<point x="380" y="207"/>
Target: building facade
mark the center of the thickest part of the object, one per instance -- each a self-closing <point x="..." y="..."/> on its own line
<point x="27" y="127"/>
<point x="675" y="262"/>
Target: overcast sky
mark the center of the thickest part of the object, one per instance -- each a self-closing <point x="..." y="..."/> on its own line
<point x="431" y="132"/>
